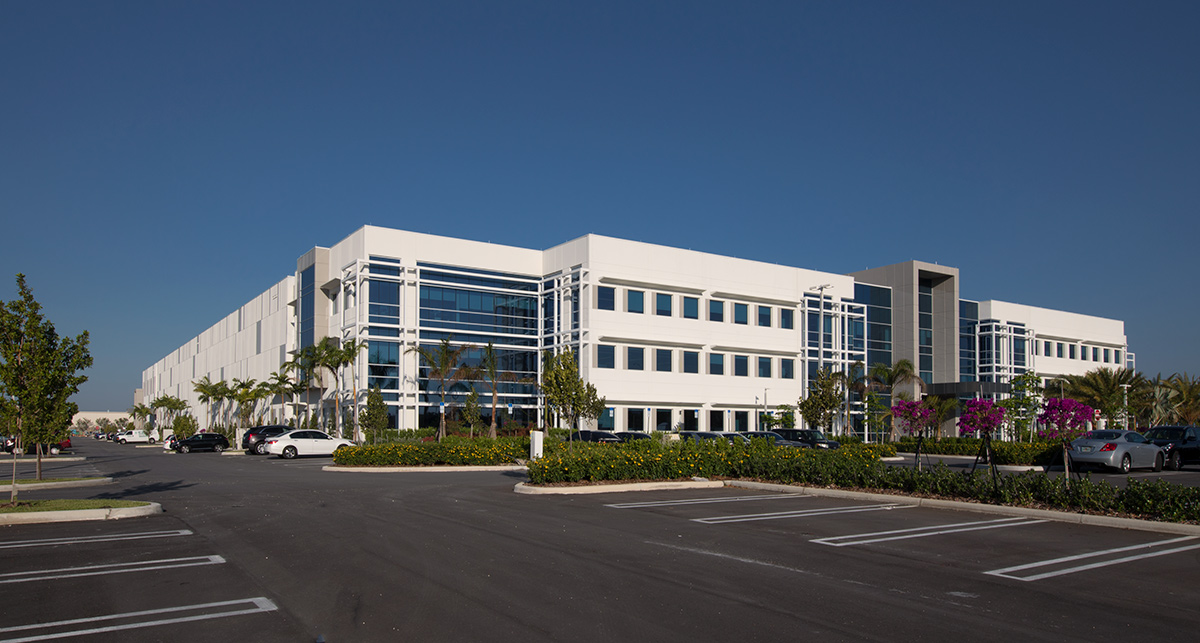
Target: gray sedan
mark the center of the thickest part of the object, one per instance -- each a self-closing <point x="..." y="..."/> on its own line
<point x="1121" y="450"/>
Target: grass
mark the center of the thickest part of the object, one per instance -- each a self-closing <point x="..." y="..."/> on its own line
<point x="4" y="482"/>
<point x="27" y="506"/>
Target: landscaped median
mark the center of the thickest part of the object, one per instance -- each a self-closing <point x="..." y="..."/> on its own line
<point x="1038" y="453"/>
<point x="859" y="468"/>
<point x="452" y="451"/>
<point x="71" y="510"/>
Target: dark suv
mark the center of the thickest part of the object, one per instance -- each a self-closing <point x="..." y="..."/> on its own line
<point x="593" y="436"/>
<point x="255" y="440"/>
<point x="811" y="437"/>
<point x="1179" y="444"/>
<point x="203" y="442"/>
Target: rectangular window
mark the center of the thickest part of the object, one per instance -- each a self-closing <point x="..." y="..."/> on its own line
<point x="786" y="318"/>
<point x="606" y="356"/>
<point x="741" y="366"/>
<point x="636" y="301"/>
<point x="662" y="419"/>
<point x="716" y="310"/>
<point x="764" y="367"/>
<point x="741" y="314"/>
<point x="606" y="298"/>
<point x="1107" y="355"/>
<point x="634" y="359"/>
<point x="764" y="316"/>
<point x="1046" y="349"/>
<point x="787" y="368"/>
<point x="605" y="421"/>
<point x="662" y="305"/>
<point x="1083" y="352"/>
<point x="691" y="308"/>
<point x="1117" y="356"/>
<point x="634" y="420"/>
<point x="1095" y="354"/>
<point x="716" y="420"/>
<point x="716" y="364"/>
<point x="691" y="362"/>
<point x="662" y="360"/>
<point x="1072" y="351"/>
<point x="1059" y="349"/>
<point x="741" y="420"/>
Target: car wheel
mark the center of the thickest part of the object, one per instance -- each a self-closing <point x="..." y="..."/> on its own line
<point x="184" y="449"/>
<point x="1126" y="463"/>
<point x="1158" y="462"/>
<point x="261" y="448"/>
<point x="1175" y="463"/>
<point x="151" y="440"/>
<point x="218" y="448"/>
<point x="53" y="450"/>
<point x="121" y="441"/>
<point x="289" y="452"/>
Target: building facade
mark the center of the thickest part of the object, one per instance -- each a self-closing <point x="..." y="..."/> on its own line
<point x="672" y="338"/>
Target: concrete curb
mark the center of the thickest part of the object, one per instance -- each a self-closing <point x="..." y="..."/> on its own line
<point x="521" y="487"/>
<point x="1002" y="510"/>
<point x="34" y="517"/>
<point x="45" y="459"/>
<point x="62" y="484"/>
<point x="438" y="469"/>
<point x="234" y="452"/>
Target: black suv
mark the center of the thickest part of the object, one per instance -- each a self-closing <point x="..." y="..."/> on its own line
<point x="1179" y="444"/>
<point x="593" y="436"/>
<point x="203" y="442"/>
<point x="255" y="440"/>
<point x="811" y="437"/>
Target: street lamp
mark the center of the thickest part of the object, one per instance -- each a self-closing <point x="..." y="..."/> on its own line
<point x="1125" y="408"/>
<point x="821" y="324"/>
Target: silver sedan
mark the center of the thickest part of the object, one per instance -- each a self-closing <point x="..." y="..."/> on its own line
<point x="1120" y="450"/>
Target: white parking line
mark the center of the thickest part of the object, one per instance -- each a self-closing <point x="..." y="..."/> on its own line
<point x="113" y="568"/>
<point x="720" y="520"/>
<point x="921" y="532"/>
<point x="260" y="604"/>
<point x="1007" y="571"/>
<point x="46" y="542"/>
<point x="703" y="501"/>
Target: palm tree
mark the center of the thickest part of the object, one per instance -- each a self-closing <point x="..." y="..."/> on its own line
<point x="443" y="362"/>
<point x="204" y="389"/>
<point x="280" y="385"/>
<point x="329" y="357"/>
<point x="244" y="394"/>
<point x="1187" y="390"/>
<point x="351" y="349"/>
<point x="141" y="413"/>
<point x="1102" y="389"/>
<point x="304" y="363"/>
<point x="901" y="374"/>
<point x="489" y="369"/>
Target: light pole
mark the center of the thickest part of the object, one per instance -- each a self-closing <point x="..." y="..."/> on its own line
<point x="821" y="324"/>
<point x="1125" y="408"/>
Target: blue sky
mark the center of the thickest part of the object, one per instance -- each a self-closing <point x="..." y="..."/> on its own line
<point x="162" y="163"/>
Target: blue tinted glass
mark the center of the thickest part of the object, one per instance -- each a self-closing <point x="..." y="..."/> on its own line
<point x="662" y="305"/>
<point x="606" y="298"/>
<point x="764" y="315"/>
<point x="716" y="310"/>
<point x="662" y="360"/>
<point x="741" y="365"/>
<point x="634" y="359"/>
<point x="741" y="314"/>
<point x="764" y="367"/>
<point x="787" y="369"/>
<point x="716" y="364"/>
<point x="691" y="308"/>
<point x="636" y="301"/>
<point x="691" y="362"/>
<point x="606" y="357"/>
<point x="786" y="318"/>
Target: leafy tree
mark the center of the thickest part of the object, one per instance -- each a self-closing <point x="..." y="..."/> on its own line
<point x="39" y="372"/>
<point x="567" y="395"/>
<point x="444" y="366"/>
<point x="184" y="426"/>
<point x="489" y="368"/>
<point x="205" y="389"/>
<point x="1022" y="404"/>
<point x="787" y="416"/>
<point x="1101" y="389"/>
<point x="121" y="423"/>
<point x="375" y="417"/>
<point x="1187" y="394"/>
<point x="472" y="412"/>
<point x="82" y="425"/>
<point x="280" y="384"/>
<point x="823" y="401"/>
<point x="351" y="350"/>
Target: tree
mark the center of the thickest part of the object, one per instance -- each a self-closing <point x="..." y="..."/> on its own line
<point x="823" y="401"/>
<point x="887" y="379"/>
<point x="375" y="416"/>
<point x="305" y="364"/>
<point x="329" y="357"/>
<point x="140" y="412"/>
<point x="980" y="417"/>
<point x="444" y="366"/>
<point x="567" y="395"/>
<point x="82" y="426"/>
<point x="489" y="368"/>
<point x="471" y="411"/>
<point x="280" y="384"/>
<point x="351" y="349"/>
<point x="39" y="372"/>
<point x="1102" y="389"/>
<point x="205" y="388"/>
<point x="1022" y="404"/>
<point x="1187" y="394"/>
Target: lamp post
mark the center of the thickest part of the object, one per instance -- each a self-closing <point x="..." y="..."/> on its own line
<point x="1125" y="408"/>
<point x="821" y="324"/>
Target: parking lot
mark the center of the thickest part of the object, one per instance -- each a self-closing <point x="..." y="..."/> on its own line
<point x="364" y="557"/>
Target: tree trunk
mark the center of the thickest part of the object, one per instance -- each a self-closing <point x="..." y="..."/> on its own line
<point x="495" y="402"/>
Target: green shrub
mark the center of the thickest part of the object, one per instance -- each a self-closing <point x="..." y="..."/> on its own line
<point x="451" y="451"/>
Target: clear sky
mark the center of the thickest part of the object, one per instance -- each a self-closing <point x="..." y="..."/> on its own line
<point x="164" y="162"/>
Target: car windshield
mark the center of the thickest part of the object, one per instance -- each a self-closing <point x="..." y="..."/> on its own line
<point x="1165" y="434"/>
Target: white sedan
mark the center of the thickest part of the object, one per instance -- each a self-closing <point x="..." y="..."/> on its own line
<point x="301" y="442"/>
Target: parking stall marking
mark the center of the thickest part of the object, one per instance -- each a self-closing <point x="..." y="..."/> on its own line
<point x="1007" y="572"/>
<point x="827" y="511"/>
<point x="702" y="501"/>
<point x="113" y="568"/>
<point x="258" y="605"/>
<point x="922" y="532"/>
<point x="77" y="540"/>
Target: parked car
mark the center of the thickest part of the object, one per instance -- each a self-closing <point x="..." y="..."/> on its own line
<point x="735" y="437"/>
<point x="10" y="443"/>
<point x="811" y="437"/>
<point x="169" y="442"/>
<point x="302" y="442"/>
<point x="143" y="437"/>
<point x="255" y="439"/>
<point x="775" y="439"/>
<point x="1180" y="444"/>
<point x="630" y="436"/>
<point x="593" y="436"/>
<point x="1120" y="450"/>
<point x="202" y="442"/>
<point x="699" y="435"/>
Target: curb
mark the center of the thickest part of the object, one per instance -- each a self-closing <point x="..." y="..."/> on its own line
<point x="48" y="458"/>
<point x="438" y="469"/>
<point x="967" y="459"/>
<point x="62" y="484"/>
<point x="1002" y="510"/>
<point x="521" y="487"/>
<point x="34" y="517"/>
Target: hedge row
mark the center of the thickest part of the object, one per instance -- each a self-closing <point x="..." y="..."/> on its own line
<point x="1018" y="453"/>
<point x="450" y="451"/>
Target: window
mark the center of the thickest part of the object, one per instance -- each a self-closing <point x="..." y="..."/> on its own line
<point x="741" y="314"/>
<point x="662" y="360"/>
<point x="691" y="308"/>
<point x="741" y="365"/>
<point x="1072" y="351"/>
<point x="606" y="298"/>
<point x="716" y="364"/>
<point x="716" y="420"/>
<point x="1046" y="349"/>
<point x="764" y="316"/>
<point x="636" y="301"/>
<point x="741" y="420"/>
<point x="1117" y="356"/>
<point x="764" y="367"/>
<point x="691" y="362"/>
<point x="605" y="421"/>
<point x="716" y="310"/>
<point x="1083" y="352"/>
<point x="1107" y="355"/>
<point x="662" y="419"/>
<point x="606" y="356"/>
<point x="634" y="420"/>
<point x="787" y="369"/>
<point x="662" y="305"/>
<point x="1060" y="349"/>
<point x="634" y="359"/>
<point x="786" y="318"/>
<point x="1095" y="354"/>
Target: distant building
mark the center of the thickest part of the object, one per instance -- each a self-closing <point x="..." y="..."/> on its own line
<point x="671" y="337"/>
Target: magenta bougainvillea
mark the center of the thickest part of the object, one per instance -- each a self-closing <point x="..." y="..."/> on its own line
<point x="1064" y="418"/>
<point x="980" y="417"/>
<point x="914" y="417"/>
